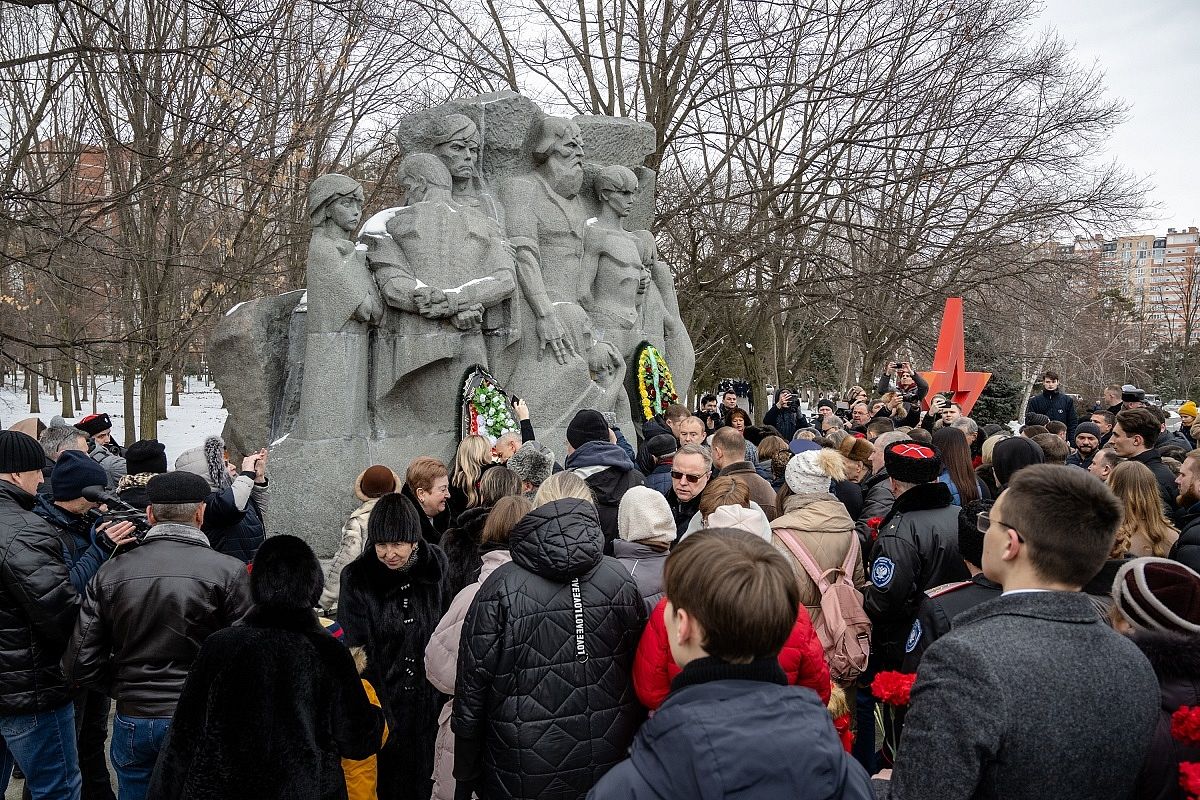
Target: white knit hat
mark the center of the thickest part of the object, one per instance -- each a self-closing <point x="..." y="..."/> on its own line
<point x="644" y="516"/>
<point x="810" y="472"/>
<point x="751" y="520"/>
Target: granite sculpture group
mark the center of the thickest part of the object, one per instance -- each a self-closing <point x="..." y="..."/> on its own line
<point x="512" y="250"/>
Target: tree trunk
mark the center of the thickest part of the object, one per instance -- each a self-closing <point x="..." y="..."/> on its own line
<point x="129" y="378"/>
<point x="150" y="393"/>
<point x="64" y="375"/>
<point x="162" y="395"/>
<point x="31" y="382"/>
<point x="176" y="380"/>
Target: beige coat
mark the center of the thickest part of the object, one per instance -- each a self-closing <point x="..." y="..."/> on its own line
<point x="820" y="523"/>
<point x="441" y="668"/>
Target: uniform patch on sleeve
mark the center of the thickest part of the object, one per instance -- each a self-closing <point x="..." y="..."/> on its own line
<point x="882" y="571"/>
<point x="914" y="636"/>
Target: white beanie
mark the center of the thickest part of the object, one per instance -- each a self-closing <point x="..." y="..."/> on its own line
<point x="751" y="520"/>
<point x="810" y="472"/>
<point x="644" y="515"/>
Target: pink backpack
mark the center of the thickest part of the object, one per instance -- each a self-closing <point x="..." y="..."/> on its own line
<point x="844" y="630"/>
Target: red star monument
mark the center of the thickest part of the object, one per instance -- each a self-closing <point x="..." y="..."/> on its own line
<point x="949" y="373"/>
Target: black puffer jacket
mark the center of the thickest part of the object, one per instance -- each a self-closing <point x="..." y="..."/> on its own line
<point x="38" y="605"/>
<point x="147" y="612"/>
<point x="544" y="694"/>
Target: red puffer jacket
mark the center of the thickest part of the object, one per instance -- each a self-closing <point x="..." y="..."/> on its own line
<point x="802" y="659"/>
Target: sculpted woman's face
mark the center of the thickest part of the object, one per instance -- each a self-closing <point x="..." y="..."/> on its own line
<point x="346" y="212"/>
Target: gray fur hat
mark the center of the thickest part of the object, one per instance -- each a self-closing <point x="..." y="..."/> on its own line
<point x="532" y="462"/>
<point x="207" y="461"/>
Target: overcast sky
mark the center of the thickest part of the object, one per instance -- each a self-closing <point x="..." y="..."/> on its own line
<point x="1150" y="53"/>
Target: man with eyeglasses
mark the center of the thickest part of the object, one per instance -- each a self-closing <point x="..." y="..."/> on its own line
<point x="689" y="475"/>
<point x="1033" y="694"/>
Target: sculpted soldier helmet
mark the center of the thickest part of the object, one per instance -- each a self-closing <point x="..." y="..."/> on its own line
<point x="328" y="188"/>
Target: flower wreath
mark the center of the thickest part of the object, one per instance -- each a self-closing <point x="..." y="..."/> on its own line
<point x="485" y="408"/>
<point x="656" y="387"/>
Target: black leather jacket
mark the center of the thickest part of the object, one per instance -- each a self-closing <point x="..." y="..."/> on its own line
<point x="38" y="605"/>
<point x="147" y="612"/>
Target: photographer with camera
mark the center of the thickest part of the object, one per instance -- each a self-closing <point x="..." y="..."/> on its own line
<point x="87" y="544"/>
<point x="911" y="387"/>
<point x="785" y="415"/>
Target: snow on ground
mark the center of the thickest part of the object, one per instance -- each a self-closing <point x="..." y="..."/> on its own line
<point x="198" y="415"/>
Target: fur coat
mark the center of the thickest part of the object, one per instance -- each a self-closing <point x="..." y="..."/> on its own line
<point x="392" y="614"/>
<point x="269" y="709"/>
<point x="461" y="546"/>
<point x="1176" y="662"/>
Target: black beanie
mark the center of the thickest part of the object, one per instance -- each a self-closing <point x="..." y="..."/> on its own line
<point x="20" y="452"/>
<point x="146" y="455"/>
<point x="1013" y="454"/>
<point x="587" y="425"/>
<point x="73" y="472"/>
<point x="177" y="488"/>
<point x="394" y="519"/>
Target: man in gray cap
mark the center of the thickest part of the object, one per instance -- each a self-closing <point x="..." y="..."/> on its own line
<point x="38" y="605"/>
<point x="144" y="618"/>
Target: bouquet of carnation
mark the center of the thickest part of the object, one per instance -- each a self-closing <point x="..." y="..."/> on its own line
<point x="1185" y="726"/>
<point x="893" y="689"/>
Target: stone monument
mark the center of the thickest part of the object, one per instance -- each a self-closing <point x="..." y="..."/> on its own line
<point x="522" y="246"/>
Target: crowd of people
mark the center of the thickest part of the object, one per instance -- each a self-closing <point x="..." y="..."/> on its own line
<point x="707" y="608"/>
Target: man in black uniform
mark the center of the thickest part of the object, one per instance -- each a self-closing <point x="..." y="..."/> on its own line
<point x="941" y="604"/>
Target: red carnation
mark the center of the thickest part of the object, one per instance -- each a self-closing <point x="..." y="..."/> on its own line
<point x="873" y="526"/>
<point x="1185" y="724"/>
<point x="1189" y="778"/>
<point x="893" y="688"/>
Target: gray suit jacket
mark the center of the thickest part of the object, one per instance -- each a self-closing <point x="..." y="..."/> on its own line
<point x="1029" y="696"/>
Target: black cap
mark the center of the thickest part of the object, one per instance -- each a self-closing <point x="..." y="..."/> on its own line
<point x="20" y="452"/>
<point x="662" y="445"/>
<point x="146" y="455"/>
<point x="177" y="488"/>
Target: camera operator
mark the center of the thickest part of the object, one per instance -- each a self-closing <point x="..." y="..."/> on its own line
<point x="101" y="447"/>
<point x="85" y="549"/>
<point x="144" y="618"/>
<point x="785" y="415"/>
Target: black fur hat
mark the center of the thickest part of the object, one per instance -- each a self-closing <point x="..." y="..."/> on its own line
<point x="286" y="574"/>
<point x="394" y="519"/>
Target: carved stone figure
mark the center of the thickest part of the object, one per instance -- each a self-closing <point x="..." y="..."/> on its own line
<point x="342" y="304"/>
<point x="455" y="140"/>
<point x="441" y="268"/>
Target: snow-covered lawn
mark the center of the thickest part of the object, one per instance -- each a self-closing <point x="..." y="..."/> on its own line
<point x="198" y="415"/>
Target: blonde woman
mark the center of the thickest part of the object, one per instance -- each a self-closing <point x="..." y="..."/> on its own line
<point x="474" y="453"/>
<point x="985" y="472"/>
<point x="560" y="486"/>
<point x="1144" y="530"/>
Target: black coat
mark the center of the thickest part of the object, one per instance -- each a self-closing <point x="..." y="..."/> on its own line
<point x="38" y="606"/>
<point x="270" y="708"/>
<point x="461" y="546"/>
<point x="1167" y="488"/>
<point x="392" y="615"/>
<point x="937" y="610"/>
<point x="917" y="549"/>
<point x="1057" y="406"/>
<point x="1186" y="549"/>
<point x="544" y="693"/>
<point x="234" y="532"/>
<point x="1176" y="662"/>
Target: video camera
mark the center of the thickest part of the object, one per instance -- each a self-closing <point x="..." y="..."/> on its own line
<point x="118" y="511"/>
